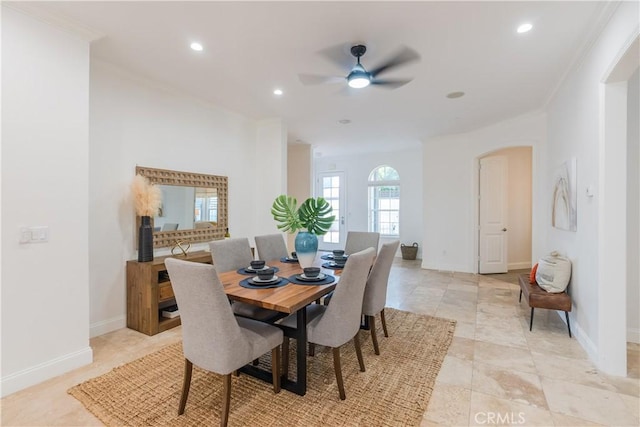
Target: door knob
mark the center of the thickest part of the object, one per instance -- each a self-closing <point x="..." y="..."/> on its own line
<point x="504" y="229"/>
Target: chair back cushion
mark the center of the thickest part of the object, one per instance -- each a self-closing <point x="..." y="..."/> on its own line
<point x="341" y="320"/>
<point x="271" y="247"/>
<point x="375" y="293"/>
<point x="360" y="240"/>
<point x="211" y="337"/>
<point x="231" y="254"/>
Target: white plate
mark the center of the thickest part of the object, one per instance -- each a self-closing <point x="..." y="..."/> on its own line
<point x="259" y="280"/>
<point x="335" y="264"/>
<point x="319" y="277"/>
<point x="253" y="270"/>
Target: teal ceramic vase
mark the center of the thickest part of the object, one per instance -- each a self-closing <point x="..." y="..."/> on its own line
<point x="306" y="245"/>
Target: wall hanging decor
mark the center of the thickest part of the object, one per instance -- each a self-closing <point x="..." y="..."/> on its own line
<point x="564" y="193"/>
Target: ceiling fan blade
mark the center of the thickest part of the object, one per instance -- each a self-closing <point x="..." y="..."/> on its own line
<point x="317" y="79"/>
<point x="390" y="83"/>
<point x="339" y="55"/>
<point x="404" y="56"/>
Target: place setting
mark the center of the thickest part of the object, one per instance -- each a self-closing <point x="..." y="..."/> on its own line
<point x="338" y="253"/>
<point x="290" y="259"/>
<point x="337" y="259"/>
<point x="256" y="267"/>
<point x="311" y="276"/>
<point x="265" y="278"/>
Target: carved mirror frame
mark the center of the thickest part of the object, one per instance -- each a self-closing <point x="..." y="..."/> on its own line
<point x="162" y="239"/>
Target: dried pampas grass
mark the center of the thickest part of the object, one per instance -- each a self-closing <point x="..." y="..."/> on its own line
<point x="146" y="196"/>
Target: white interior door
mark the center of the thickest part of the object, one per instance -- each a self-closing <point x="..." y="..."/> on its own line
<point x="331" y="186"/>
<point x="492" y="239"/>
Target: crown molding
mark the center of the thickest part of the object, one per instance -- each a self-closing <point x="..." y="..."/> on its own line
<point x="55" y="19"/>
<point x="598" y="23"/>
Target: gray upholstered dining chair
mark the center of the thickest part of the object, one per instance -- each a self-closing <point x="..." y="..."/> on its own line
<point x="212" y="337"/>
<point x="271" y="246"/>
<point x="233" y="254"/>
<point x="375" y="293"/>
<point x="339" y="322"/>
<point x="359" y="240"/>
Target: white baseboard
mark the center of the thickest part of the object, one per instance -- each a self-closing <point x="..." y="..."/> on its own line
<point x="584" y="340"/>
<point x="519" y="265"/>
<point x="457" y="268"/>
<point x="633" y="335"/>
<point x="106" y="326"/>
<point x="44" y="371"/>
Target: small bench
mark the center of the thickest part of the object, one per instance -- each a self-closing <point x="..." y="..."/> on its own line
<point x="539" y="298"/>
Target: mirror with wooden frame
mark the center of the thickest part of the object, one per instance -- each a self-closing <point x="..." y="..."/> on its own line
<point x="194" y="206"/>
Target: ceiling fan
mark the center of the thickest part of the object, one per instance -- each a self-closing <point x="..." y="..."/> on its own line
<point x="358" y="77"/>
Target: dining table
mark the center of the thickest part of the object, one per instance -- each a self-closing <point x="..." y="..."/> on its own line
<point x="287" y="299"/>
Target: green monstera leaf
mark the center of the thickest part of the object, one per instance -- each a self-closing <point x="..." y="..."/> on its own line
<point x="285" y="212"/>
<point x="315" y="215"/>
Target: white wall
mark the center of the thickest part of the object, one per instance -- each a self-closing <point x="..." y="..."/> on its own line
<point x="45" y="109"/>
<point x="358" y="168"/>
<point x="450" y="180"/>
<point x="576" y="128"/>
<point x="134" y="122"/>
<point x="270" y="167"/>
<point x="519" y="206"/>
<point x="633" y="208"/>
<point x="299" y="172"/>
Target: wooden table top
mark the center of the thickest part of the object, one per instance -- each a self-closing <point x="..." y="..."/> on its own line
<point x="286" y="299"/>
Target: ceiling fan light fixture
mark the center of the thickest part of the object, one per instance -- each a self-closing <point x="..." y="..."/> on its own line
<point x="358" y="79"/>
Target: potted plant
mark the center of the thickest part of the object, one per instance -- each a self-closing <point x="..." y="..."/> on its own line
<point x="313" y="218"/>
<point x="147" y="199"/>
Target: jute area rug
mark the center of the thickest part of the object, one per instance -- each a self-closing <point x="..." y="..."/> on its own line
<point x="394" y="390"/>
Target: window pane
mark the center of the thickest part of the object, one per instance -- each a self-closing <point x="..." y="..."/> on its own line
<point x="384" y="201"/>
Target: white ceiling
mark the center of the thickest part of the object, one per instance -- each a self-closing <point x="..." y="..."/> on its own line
<point x="250" y="48"/>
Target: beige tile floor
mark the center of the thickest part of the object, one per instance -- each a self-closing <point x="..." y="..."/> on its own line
<point x="496" y="371"/>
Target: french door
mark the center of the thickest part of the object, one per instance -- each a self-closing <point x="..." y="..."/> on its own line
<point x="331" y="186"/>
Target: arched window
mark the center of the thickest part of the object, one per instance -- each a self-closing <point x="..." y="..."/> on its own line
<point x="384" y="201"/>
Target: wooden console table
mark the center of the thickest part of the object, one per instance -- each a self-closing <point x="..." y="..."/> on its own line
<point x="149" y="291"/>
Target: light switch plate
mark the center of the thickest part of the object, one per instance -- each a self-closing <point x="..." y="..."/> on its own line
<point x="39" y="234"/>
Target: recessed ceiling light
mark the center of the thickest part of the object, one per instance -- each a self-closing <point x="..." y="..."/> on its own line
<point x="524" y="28"/>
<point x="454" y="95"/>
<point x="278" y="92"/>
<point x="344" y="121"/>
<point x="196" y="46"/>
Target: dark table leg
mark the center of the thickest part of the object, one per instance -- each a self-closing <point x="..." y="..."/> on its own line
<point x="299" y="386"/>
<point x="301" y="351"/>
